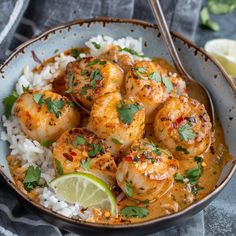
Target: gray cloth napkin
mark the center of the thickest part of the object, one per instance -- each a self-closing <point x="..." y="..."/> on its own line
<point x="182" y="16"/>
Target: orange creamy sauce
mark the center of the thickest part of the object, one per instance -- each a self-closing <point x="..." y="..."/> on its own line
<point x="178" y="197"/>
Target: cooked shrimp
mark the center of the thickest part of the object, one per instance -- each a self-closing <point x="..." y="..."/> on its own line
<point x="44" y="115"/>
<point x="91" y="78"/>
<point x="119" y="122"/>
<point x="146" y="172"/>
<point x="183" y="126"/>
<point x="123" y="60"/>
<point x="151" y="85"/>
<point x="78" y="149"/>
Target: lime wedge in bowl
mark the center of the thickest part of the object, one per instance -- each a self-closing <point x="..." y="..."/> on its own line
<point x="224" y="51"/>
<point x="85" y="189"/>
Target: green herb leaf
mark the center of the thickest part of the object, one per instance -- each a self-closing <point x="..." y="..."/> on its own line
<point x="75" y="53"/>
<point x="96" y="148"/>
<point x="129" y="189"/>
<point x="179" y="177"/>
<point x="126" y="112"/>
<point x="224" y="7"/>
<point x="32" y="178"/>
<point x="194" y="172"/>
<point x="94" y="77"/>
<point x="167" y="83"/>
<point x="116" y="141"/>
<point x="133" y="211"/>
<point x="96" y="45"/>
<point x="71" y="82"/>
<point x="206" y="21"/>
<point x="131" y="51"/>
<point x="84" y="90"/>
<point x="46" y="143"/>
<point x="59" y="167"/>
<point x="25" y="88"/>
<point x="155" y="76"/>
<point x="84" y="72"/>
<point x="136" y="159"/>
<point x="79" y="140"/>
<point x="86" y="164"/>
<point x="182" y="149"/>
<point x="9" y="102"/>
<point x="198" y="159"/>
<point x="56" y="51"/>
<point x="146" y="201"/>
<point x="185" y="132"/>
<point x="139" y="72"/>
<point x="54" y="106"/>
<point x="38" y="98"/>
<point x="96" y="61"/>
<point x="196" y="189"/>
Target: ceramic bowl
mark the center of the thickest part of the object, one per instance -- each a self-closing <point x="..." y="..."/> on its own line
<point x="200" y="66"/>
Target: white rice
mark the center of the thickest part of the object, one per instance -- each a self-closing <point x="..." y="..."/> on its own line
<point x="30" y="151"/>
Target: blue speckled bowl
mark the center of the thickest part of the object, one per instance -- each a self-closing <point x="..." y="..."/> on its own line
<point x="201" y="67"/>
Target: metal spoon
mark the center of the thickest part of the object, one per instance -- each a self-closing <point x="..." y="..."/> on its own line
<point x="195" y="89"/>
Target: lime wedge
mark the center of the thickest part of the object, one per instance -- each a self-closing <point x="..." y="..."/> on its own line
<point x="85" y="189"/>
<point x="224" y="51"/>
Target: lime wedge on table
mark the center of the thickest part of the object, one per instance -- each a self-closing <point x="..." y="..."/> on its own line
<point x="84" y="189"/>
<point x="224" y="51"/>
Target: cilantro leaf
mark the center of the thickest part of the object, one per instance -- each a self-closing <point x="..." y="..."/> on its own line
<point x="155" y="76"/>
<point x="54" y="106"/>
<point x="206" y="21"/>
<point x="96" y="61"/>
<point x="167" y="83"/>
<point x="129" y="189"/>
<point x="32" y="178"/>
<point x="126" y="112"/>
<point x="96" y="45"/>
<point x="25" y="88"/>
<point x="116" y="141"/>
<point x="46" y="143"/>
<point x="71" y="81"/>
<point x="94" y="77"/>
<point x="59" y="167"/>
<point x="185" y="132"/>
<point x="86" y="163"/>
<point x="139" y="72"/>
<point x="95" y="149"/>
<point x="179" y="177"/>
<point x="74" y="53"/>
<point x="84" y="90"/>
<point x="131" y="51"/>
<point x="182" y="149"/>
<point x="79" y="140"/>
<point x="84" y="72"/>
<point x="133" y="211"/>
<point x="9" y="102"/>
<point x="38" y="98"/>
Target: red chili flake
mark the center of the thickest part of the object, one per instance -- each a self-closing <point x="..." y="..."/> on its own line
<point x="73" y="153"/>
<point x="179" y="120"/>
<point x="128" y="158"/>
<point x="212" y="150"/>
<point x="174" y="125"/>
<point x="68" y="156"/>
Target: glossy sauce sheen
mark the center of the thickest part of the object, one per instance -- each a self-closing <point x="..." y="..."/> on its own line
<point x="178" y="197"/>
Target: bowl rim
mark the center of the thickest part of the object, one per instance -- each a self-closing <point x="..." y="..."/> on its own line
<point x="144" y="24"/>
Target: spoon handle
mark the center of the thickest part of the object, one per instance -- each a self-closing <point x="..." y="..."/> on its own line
<point x="163" y="27"/>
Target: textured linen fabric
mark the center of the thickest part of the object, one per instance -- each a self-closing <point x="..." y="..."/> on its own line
<point x="32" y="17"/>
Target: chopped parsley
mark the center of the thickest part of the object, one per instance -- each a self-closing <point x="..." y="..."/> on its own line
<point x="154" y="148"/>
<point x="139" y="72"/>
<point x="79" y="140"/>
<point x="167" y="83"/>
<point x="182" y="149"/>
<point x="95" y="149"/>
<point x="185" y="132"/>
<point x="96" y="61"/>
<point x="192" y="175"/>
<point x="38" y="98"/>
<point x="46" y="143"/>
<point x="134" y="212"/>
<point x="126" y="112"/>
<point x="86" y="164"/>
<point x="96" y="45"/>
<point x="32" y="178"/>
<point x="155" y="76"/>
<point x="59" y="167"/>
<point x="9" y="102"/>
<point x="74" y="53"/>
<point x="94" y="77"/>
<point x="116" y="141"/>
<point x="71" y="83"/>
<point x="84" y="90"/>
<point x="129" y="189"/>
<point x="84" y="72"/>
<point x="131" y="51"/>
<point x="54" y="106"/>
<point x="25" y="88"/>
